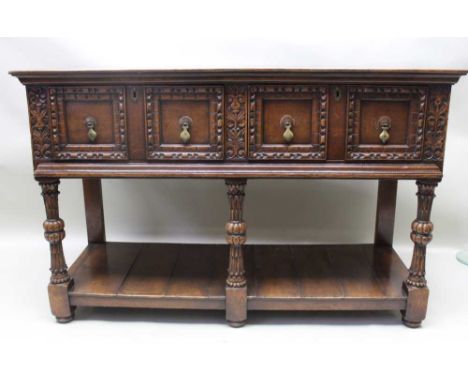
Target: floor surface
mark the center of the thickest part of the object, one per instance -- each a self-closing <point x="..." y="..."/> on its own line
<point x="118" y="344"/>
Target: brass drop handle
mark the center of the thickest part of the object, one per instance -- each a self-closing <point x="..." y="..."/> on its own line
<point x="185" y="124"/>
<point x="287" y="123"/>
<point x="385" y="124"/>
<point x="91" y="123"/>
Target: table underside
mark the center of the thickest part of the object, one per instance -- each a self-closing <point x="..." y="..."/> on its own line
<point x="279" y="277"/>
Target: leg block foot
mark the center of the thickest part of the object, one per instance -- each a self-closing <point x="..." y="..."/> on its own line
<point x="237" y="324"/>
<point x="416" y="306"/>
<point x="236" y="306"/>
<point x="412" y="325"/>
<point x="64" y="320"/>
<point x="59" y="301"/>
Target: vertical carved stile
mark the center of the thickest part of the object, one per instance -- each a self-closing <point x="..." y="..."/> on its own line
<point x="236" y="234"/>
<point x="39" y="123"/>
<point x="54" y="232"/>
<point x="436" y="124"/>
<point x="421" y="233"/>
<point x="236" y="122"/>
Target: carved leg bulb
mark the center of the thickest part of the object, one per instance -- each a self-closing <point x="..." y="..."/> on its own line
<point x="54" y="233"/>
<point x="236" y="284"/>
<point x="421" y="235"/>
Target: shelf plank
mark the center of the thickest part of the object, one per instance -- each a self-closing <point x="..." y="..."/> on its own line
<point x="151" y="272"/>
<point x="353" y="270"/>
<point x="274" y="272"/>
<point x="250" y="272"/>
<point x="315" y="272"/>
<point x="390" y="269"/>
<point x="191" y="274"/>
<point x="103" y="267"/>
<point x="219" y="259"/>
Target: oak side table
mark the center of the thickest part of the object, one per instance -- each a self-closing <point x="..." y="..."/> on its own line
<point x="380" y="125"/>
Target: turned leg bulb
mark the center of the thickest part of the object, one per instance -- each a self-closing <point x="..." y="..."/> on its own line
<point x="421" y="235"/>
<point x="54" y="233"/>
<point x="236" y="283"/>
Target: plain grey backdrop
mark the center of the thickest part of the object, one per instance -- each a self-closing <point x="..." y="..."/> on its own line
<point x="123" y="345"/>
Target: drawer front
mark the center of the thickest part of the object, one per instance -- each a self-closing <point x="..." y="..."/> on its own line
<point x="288" y="122"/>
<point x="88" y="123"/>
<point x="385" y="122"/>
<point x="184" y="122"/>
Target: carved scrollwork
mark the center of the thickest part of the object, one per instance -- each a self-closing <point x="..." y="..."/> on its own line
<point x="436" y="124"/>
<point x="186" y="155"/>
<point x="91" y="155"/>
<point x="287" y="155"/>
<point x="39" y="123"/>
<point x="382" y="156"/>
<point x="236" y="122"/>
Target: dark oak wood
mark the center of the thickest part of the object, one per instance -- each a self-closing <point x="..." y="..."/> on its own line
<point x="94" y="210"/>
<point x="283" y="277"/>
<point x="151" y="275"/>
<point x="421" y="235"/>
<point x="76" y="111"/>
<point x="324" y="277"/>
<point x="60" y="280"/>
<point x="200" y="107"/>
<point x="347" y="76"/>
<point x="236" y="282"/>
<point x="233" y="170"/>
<point x="136" y="134"/>
<point x="337" y="122"/>
<point x="305" y="108"/>
<point x="384" y="125"/>
<point x="385" y="218"/>
<point x="402" y="107"/>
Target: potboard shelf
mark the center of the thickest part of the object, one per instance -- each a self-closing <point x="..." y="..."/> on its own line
<point x="193" y="276"/>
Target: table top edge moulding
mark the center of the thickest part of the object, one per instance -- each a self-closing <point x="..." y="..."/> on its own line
<point x="239" y="124"/>
<point x="427" y="76"/>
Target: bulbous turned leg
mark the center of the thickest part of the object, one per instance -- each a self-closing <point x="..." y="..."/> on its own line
<point x="236" y="283"/>
<point x="54" y="233"/>
<point x="421" y="235"/>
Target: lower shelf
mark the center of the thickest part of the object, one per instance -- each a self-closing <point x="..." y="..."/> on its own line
<point x="279" y="277"/>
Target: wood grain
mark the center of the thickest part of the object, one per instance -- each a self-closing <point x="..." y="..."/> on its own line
<point x="188" y="276"/>
<point x="385" y="216"/>
<point x="94" y="210"/>
<point x="244" y="170"/>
